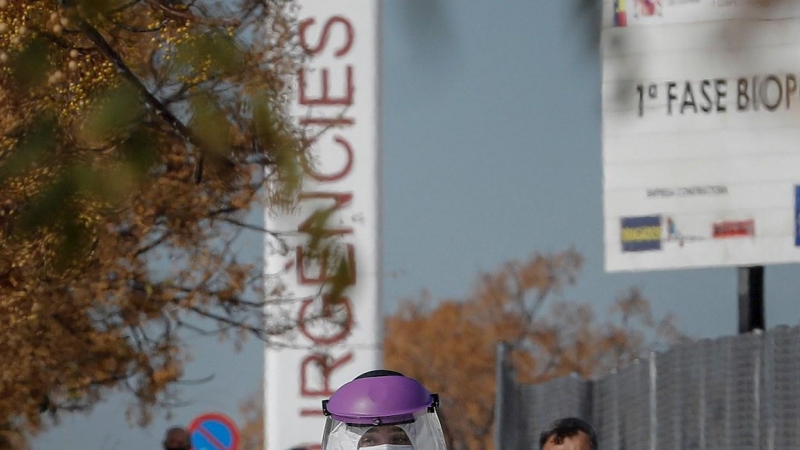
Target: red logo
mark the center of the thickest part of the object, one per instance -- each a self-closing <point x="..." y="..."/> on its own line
<point x="739" y="228"/>
<point x="648" y="8"/>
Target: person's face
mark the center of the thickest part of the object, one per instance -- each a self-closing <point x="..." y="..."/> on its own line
<point x="382" y="435"/>
<point x="578" y="442"/>
<point x="177" y="441"/>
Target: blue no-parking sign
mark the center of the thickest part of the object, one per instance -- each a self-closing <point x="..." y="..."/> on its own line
<point x="214" y="432"/>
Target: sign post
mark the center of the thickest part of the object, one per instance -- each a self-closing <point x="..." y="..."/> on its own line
<point x="751" y="299"/>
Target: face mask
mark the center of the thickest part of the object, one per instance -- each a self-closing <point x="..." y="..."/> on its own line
<point x="388" y="447"/>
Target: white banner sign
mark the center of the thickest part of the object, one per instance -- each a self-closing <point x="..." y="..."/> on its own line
<point x="336" y="99"/>
<point x="701" y="144"/>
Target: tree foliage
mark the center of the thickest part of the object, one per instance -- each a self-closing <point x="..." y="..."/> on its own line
<point x="251" y="430"/>
<point x="136" y="135"/>
<point x="450" y="345"/>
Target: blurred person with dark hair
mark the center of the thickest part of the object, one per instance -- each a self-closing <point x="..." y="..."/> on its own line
<point x="568" y="433"/>
<point x="177" y="438"/>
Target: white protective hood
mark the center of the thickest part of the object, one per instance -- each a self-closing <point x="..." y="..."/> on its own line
<point x="425" y="433"/>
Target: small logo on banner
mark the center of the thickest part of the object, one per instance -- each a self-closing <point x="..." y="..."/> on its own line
<point x="797" y="216"/>
<point x="620" y="13"/>
<point x="676" y="235"/>
<point x="640" y="234"/>
<point x="734" y="228"/>
<point x="648" y="8"/>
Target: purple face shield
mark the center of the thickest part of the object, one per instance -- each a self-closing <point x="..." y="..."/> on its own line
<point x="365" y="414"/>
<point x="379" y="401"/>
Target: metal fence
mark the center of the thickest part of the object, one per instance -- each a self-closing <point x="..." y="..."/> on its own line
<point x="733" y="393"/>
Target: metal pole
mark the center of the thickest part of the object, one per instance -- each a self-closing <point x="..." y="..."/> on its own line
<point x="751" y="299"/>
<point x="499" y="396"/>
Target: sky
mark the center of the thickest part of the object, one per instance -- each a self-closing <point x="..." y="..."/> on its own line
<point x="491" y="150"/>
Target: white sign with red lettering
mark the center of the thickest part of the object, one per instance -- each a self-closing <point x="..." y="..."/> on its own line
<point x="336" y="100"/>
